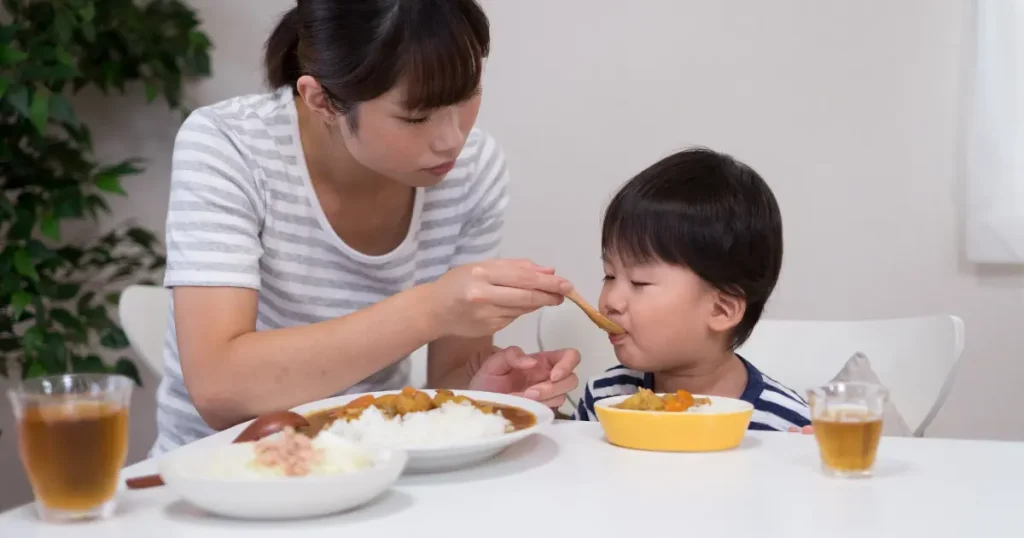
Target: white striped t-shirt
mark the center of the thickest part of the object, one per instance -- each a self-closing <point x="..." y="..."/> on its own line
<point x="776" y="408"/>
<point x="243" y="213"/>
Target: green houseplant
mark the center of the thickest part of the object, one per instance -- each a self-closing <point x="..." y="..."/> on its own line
<point x="55" y="297"/>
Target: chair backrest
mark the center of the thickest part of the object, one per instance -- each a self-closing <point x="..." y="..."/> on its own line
<point x="143" y="311"/>
<point x="916" y="358"/>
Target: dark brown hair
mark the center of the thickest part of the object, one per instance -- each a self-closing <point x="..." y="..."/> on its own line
<point x="360" y="49"/>
<point x="708" y="212"/>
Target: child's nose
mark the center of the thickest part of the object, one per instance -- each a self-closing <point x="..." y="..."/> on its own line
<point x="611" y="303"/>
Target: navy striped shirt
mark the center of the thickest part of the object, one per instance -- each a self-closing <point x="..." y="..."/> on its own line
<point x="776" y="407"/>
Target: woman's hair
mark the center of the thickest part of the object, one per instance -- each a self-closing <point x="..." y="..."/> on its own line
<point x="360" y="49"/>
<point x="708" y="212"/>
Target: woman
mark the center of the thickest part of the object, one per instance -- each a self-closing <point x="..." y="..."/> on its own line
<point x="319" y="234"/>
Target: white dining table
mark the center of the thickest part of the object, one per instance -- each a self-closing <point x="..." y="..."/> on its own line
<point x="569" y="481"/>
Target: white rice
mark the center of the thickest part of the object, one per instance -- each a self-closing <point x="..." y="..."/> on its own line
<point x="450" y="423"/>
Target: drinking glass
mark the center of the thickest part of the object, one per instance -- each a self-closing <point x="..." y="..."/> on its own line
<point x="73" y="439"/>
<point x="847" y="419"/>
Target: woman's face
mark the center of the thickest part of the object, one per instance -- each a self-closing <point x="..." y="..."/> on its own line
<point x="415" y="148"/>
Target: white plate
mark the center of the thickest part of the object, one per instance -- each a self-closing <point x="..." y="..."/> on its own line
<point x="462" y="453"/>
<point x="275" y="498"/>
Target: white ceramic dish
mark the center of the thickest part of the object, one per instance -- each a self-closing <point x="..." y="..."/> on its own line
<point x="186" y="472"/>
<point x="463" y="453"/>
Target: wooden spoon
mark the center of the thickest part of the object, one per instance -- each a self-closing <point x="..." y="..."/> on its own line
<point x="263" y="426"/>
<point x="604" y="323"/>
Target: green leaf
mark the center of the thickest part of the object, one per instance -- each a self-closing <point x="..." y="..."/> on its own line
<point x="84" y="301"/>
<point x="65" y="58"/>
<point x="23" y="264"/>
<point x="124" y="168"/>
<point x="67" y="320"/>
<point x="88" y="365"/>
<point x="33" y="339"/>
<point x="54" y="354"/>
<point x="110" y="182"/>
<point x="67" y="291"/>
<point x="17" y="96"/>
<point x="11" y="56"/>
<point x="19" y="301"/>
<point x="64" y="24"/>
<point x="50" y="226"/>
<point x="142" y="237"/>
<point x="126" y="367"/>
<point x="4" y="84"/>
<point x="34" y="370"/>
<point x="152" y="91"/>
<point x="87" y="12"/>
<point x="114" y="338"/>
<point x="39" y="251"/>
<point x="61" y="110"/>
<point x="8" y="32"/>
<point x="39" y="110"/>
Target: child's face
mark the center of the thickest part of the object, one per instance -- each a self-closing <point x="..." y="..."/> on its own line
<point x="672" y="317"/>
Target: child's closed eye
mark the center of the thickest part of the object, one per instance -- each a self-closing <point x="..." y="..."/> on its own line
<point x="637" y="284"/>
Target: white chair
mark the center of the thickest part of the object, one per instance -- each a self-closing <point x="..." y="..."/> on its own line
<point x="916" y="358"/>
<point x="143" y="311"/>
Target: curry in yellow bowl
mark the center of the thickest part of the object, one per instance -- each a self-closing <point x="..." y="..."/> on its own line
<point x="677" y="422"/>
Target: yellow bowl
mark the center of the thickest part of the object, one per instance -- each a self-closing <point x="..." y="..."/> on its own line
<point x="720" y="426"/>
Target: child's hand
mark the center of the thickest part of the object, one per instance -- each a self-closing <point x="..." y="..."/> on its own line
<point x="806" y="430"/>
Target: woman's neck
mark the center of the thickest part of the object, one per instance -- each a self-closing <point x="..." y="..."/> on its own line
<point x="724" y="376"/>
<point x="329" y="162"/>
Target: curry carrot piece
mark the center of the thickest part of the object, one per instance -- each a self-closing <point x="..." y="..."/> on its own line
<point x="363" y="401"/>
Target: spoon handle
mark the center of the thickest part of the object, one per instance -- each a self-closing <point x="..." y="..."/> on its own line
<point x="144" y="482"/>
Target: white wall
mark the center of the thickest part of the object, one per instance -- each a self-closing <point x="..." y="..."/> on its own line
<point x="848" y="109"/>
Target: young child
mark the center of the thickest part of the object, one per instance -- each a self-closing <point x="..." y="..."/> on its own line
<point x="692" y="249"/>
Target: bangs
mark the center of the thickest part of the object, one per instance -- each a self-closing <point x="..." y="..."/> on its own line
<point x="436" y="51"/>
<point x="634" y="231"/>
<point x="443" y="66"/>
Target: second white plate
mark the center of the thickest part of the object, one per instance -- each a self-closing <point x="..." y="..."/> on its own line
<point x="463" y="453"/>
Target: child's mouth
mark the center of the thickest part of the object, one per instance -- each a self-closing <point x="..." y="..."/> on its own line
<point x="617" y="339"/>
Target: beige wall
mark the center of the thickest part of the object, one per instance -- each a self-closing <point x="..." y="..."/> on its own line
<point x="849" y="109"/>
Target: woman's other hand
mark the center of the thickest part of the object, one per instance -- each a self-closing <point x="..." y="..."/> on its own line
<point x="546" y="376"/>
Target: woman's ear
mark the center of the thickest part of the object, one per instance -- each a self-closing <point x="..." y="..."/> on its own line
<point x="727" y="311"/>
<point x="316" y="100"/>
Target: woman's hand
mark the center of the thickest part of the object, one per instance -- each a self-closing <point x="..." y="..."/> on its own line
<point x="545" y="376"/>
<point x="482" y="298"/>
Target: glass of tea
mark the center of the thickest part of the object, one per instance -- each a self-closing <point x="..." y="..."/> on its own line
<point x="847" y="420"/>
<point x="73" y="439"/>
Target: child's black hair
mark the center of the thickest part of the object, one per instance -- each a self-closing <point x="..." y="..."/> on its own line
<point x="708" y="212"/>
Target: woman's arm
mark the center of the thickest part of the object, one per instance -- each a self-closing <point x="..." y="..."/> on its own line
<point x="234" y="373"/>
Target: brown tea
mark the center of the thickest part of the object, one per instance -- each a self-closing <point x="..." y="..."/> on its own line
<point x="848" y="438"/>
<point x="73" y="452"/>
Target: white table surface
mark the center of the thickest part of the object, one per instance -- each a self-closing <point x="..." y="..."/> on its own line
<point x="570" y="481"/>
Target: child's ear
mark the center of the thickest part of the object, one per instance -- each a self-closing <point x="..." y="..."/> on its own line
<point x="727" y="312"/>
